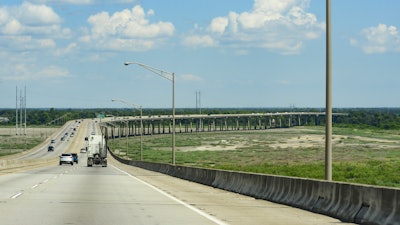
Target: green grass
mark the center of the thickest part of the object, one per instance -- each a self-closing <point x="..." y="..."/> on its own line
<point x="359" y="155"/>
<point x="12" y="144"/>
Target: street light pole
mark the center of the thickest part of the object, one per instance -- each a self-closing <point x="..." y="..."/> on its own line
<point x="328" y="114"/>
<point x="171" y="77"/>
<point x="141" y="122"/>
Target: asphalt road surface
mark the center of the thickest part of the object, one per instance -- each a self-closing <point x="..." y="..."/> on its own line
<point x="120" y="194"/>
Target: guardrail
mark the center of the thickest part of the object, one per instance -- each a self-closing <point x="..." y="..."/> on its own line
<point x="362" y="204"/>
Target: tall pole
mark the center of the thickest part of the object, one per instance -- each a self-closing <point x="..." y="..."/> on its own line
<point x="16" y="110"/>
<point x="328" y="114"/>
<point x="127" y="136"/>
<point x="198" y="102"/>
<point x="141" y="134"/>
<point x="173" y="118"/>
<point x="25" y="111"/>
<point x="171" y="77"/>
<point x="21" y="100"/>
<point x="141" y="123"/>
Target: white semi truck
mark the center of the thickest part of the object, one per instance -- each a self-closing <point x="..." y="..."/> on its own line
<point x="96" y="150"/>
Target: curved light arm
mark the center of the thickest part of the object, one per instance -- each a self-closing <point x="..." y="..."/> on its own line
<point x="127" y="103"/>
<point x="159" y="72"/>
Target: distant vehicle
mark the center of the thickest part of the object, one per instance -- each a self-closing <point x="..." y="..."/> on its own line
<point x="62" y="138"/>
<point x="53" y="141"/>
<point x="72" y="135"/>
<point x="50" y="148"/>
<point x="75" y="157"/>
<point x="83" y="150"/>
<point x="66" y="158"/>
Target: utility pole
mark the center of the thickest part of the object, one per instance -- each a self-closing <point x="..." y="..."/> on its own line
<point x="198" y="102"/>
<point x="16" y="110"/>
<point x="25" y="111"/>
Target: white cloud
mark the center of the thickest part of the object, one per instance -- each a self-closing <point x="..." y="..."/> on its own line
<point x="379" y="39"/>
<point x="218" y="25"/>
<point x="52" y="72"/>
<point x="47" y="43"/>
<point x="30" y="26"/>
<point x="76" y="2"/>
<point x="197" y="40"/>
<point x="277" y="25"/>
<point x="127" y="30"/>
<point x="23" y="71"/>
<point x="12" y="27"/>
<point x="37" y="15"/>
<point x="3" y="16"/>
<point x="190" y="77"/>
<point x="72" y="47"/>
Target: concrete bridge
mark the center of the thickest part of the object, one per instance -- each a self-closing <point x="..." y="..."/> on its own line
<point x="162" y="124"/>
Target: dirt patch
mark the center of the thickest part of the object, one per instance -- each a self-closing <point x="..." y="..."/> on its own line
<point x="288" y="140"/>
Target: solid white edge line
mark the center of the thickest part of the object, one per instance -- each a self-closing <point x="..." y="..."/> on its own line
<point x="215" y="220"/>
<point x="16" y="195"/>
<point x="35" y="186"/>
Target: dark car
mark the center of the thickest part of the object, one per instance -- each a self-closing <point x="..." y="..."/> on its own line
<point x="75" y="157"/>
<point x="50" y="148"/>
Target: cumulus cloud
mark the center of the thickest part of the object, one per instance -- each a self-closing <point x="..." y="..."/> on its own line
<point x="76" y="2"/>
<point x="277" y="25"/>
<point x="126" y="30"/>
<point x="379" y="39"/>
<point x="198" y="40"/>
<point x="72" y="47"/>
<point x="37" y="15"/>
<point x="30" y="26"/>
<point x="33" y="72"/>
<point x="218" y="25"/>
<point x="190" y="77"/>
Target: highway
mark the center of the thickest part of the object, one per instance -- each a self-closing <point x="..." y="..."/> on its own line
<point x="121" y="194"/>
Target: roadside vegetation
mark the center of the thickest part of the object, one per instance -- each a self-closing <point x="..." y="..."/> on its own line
<point x="10" y="143"/>
<point x="367" y="156"/>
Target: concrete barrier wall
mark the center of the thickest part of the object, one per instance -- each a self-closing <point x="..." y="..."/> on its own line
<point x="12" y="164"/>
<point x="362" y="204"/>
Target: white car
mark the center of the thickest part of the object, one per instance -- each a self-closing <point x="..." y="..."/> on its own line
<point x="66" y="158"/>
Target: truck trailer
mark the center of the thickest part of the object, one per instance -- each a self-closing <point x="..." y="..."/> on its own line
<point x="96" y="151"/>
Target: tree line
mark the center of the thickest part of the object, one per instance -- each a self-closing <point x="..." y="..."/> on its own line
<point x="380" y="118"/>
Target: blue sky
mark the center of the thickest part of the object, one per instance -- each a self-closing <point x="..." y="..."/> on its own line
<point x="260" y="53"/>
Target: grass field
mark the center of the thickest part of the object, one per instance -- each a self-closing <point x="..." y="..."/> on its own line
<point x="359" y="155"/>
<point x="10" y="143"/>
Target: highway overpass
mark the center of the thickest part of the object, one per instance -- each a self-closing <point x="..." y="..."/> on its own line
<point x="162" y="124"/>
